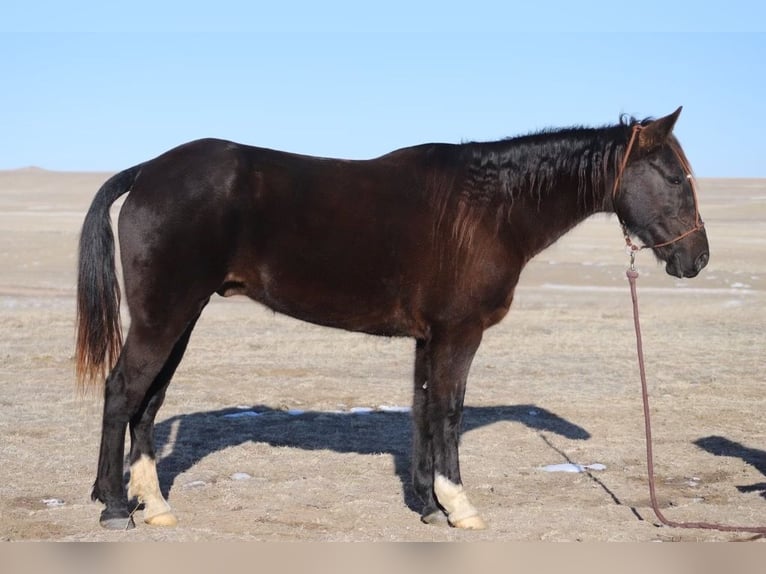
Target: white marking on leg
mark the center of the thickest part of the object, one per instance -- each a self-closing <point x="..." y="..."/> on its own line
<point x="460" y="511"/>
<point x="145" y="486"/>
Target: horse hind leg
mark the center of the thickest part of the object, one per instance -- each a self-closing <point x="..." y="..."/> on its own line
<point x="144" y="483"/>
<point x="126" y="387"/>
<point x="134" y="392"/>
<point x="108" y="487"/>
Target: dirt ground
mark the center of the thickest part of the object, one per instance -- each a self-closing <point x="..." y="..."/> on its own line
<point x="304" y="457"/>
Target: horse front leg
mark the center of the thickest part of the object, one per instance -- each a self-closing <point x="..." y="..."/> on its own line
<point x="438" y="409"/>
<point x="422" y="440"/>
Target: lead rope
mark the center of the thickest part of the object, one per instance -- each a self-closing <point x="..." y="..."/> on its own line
<point x="760" y="530"/>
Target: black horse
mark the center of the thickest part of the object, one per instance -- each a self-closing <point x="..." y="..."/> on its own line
<point x="425" y="242"/>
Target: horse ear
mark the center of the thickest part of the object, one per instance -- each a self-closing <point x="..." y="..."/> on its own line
<point x="656" y="132"/>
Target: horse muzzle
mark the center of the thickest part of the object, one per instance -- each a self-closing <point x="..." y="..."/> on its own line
<point x="679" y="266"/>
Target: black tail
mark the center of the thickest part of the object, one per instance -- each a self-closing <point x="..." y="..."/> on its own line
<point x="99" y="333"/>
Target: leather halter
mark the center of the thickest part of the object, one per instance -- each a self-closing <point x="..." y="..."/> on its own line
<point x="698" y="224"/>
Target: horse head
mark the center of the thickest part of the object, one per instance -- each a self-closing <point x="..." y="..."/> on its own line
<point x="656" y="200"/>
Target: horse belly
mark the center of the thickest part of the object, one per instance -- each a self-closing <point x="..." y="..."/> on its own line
<point x="376" y="305"/>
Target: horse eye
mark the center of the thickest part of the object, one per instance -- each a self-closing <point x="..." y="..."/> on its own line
<point x="674" y="180"/>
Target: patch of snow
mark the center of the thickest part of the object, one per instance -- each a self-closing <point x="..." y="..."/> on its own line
<point x="242" y="414"/>
<point x="572" y="467"/>
<point x="393" y="409"/>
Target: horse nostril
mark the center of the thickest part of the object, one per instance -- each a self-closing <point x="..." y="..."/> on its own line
<point x="701" y="261"/>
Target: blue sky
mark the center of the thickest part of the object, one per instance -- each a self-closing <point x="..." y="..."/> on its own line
<point x="102" y="86"/>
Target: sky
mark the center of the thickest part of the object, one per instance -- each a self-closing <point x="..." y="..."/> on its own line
<point x="100" y="86"/>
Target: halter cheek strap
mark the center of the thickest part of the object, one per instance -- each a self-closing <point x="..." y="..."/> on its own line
<point x="698" y="223"/>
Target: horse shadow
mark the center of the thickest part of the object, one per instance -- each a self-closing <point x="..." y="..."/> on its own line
<point x="722" y="446"/>
<point x="189" y="438"/>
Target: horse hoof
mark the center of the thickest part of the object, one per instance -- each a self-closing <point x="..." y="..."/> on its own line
<point x="436" y="517"/>
<point x="118" y="523"/>
<point x="470" y="523"/>
<point x="164" y="519"/>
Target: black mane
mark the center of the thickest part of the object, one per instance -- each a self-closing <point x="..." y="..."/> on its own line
<point x="529" y="166"/>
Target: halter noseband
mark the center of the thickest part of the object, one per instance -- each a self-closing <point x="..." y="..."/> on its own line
<point x="698" y="224"/>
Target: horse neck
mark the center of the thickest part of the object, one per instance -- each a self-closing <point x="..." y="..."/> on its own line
<point x="547" y="184"/>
